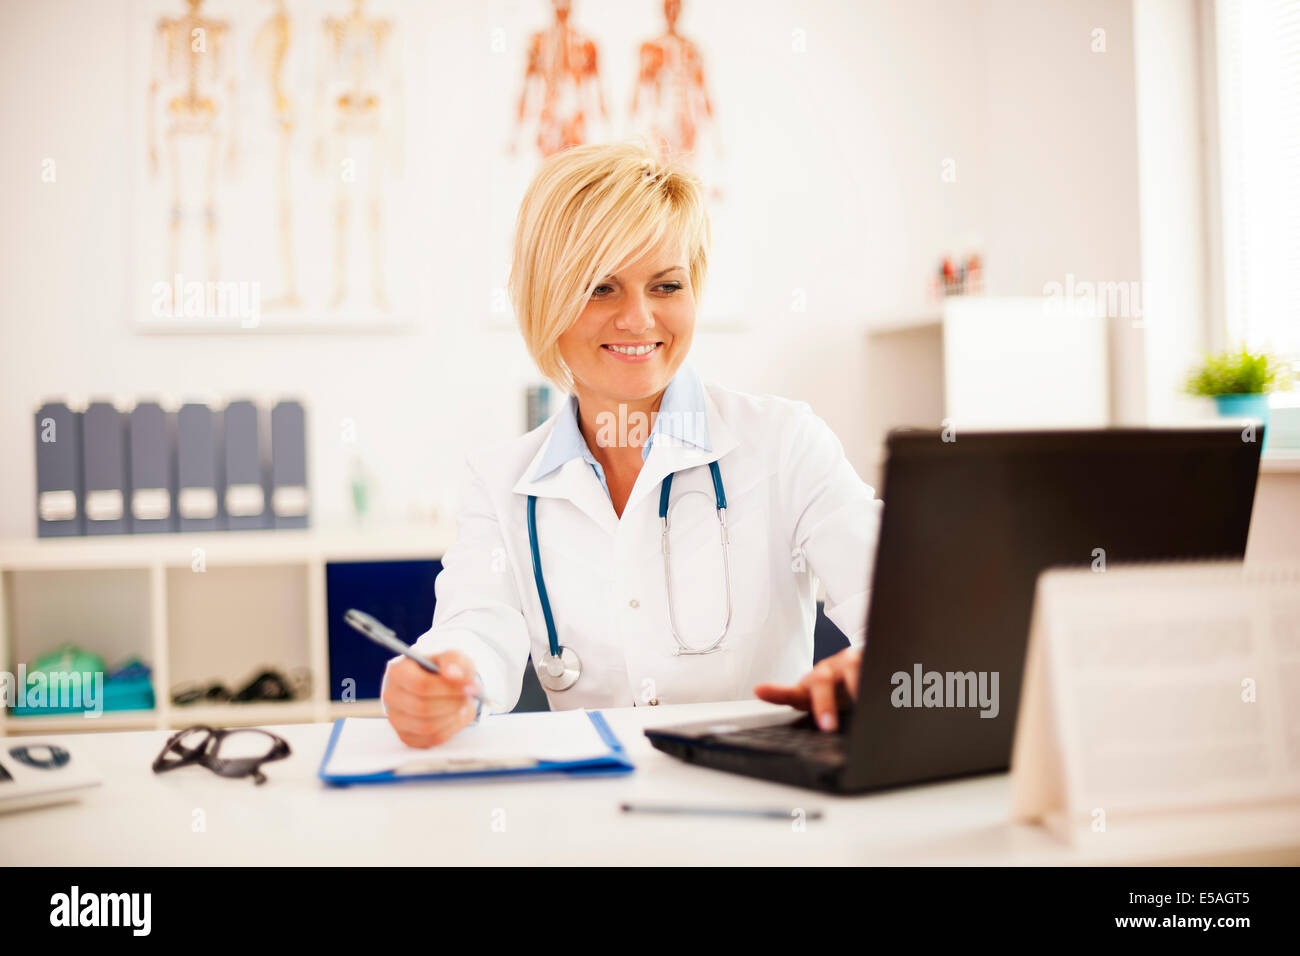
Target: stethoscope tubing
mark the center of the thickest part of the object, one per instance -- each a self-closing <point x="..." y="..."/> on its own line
<point x="720" y="498"/>
<point x="551" y="637"/>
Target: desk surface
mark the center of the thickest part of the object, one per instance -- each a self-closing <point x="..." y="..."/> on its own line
<point x="137" y="817"/>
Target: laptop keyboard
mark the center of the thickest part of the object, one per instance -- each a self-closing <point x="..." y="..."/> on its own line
<point x="801" y="738"/>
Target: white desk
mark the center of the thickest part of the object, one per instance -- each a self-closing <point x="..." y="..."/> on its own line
<point x="137" y="817"/>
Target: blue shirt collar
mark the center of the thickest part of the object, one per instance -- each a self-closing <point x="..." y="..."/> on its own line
<point x="683" y="417"/>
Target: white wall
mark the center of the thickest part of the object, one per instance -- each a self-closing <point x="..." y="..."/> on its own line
<point x="1061" y="141"/>
<point x="835" y="153"/>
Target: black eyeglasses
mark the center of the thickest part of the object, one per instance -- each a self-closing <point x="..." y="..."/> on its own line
<point x="230" y="753"/>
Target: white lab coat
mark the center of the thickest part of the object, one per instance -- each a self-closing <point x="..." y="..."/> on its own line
<point x="795" y="509"/>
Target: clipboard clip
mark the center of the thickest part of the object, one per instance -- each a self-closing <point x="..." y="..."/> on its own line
<point x="463" y="765"/>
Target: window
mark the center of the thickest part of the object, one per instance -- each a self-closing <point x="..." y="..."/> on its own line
<point x="1258" y="52"/>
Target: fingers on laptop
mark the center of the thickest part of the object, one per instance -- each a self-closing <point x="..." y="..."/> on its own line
<point x="796" y="696"/>
<point x="823" y="682"/>
<point x="822" y="690"/>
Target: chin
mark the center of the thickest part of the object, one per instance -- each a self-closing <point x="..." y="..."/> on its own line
<point x="636" y="380"/>
<point x="633" y="388"/>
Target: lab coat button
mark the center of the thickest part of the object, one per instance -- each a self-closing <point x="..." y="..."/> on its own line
<point x="634" y="603"/>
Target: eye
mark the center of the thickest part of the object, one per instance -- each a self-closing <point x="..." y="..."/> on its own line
<point x="596" y="291"/>
<point x="671" y="286"/>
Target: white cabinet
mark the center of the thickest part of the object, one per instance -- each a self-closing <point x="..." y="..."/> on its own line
<point x="195" y="608"/>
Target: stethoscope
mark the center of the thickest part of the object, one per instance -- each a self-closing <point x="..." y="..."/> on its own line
<point x="561" y="667"/>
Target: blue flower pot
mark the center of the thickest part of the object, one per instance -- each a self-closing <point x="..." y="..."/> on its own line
<point x="1254" y="406"/>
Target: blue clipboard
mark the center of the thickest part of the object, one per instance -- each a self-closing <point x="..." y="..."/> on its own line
<point x="613" y="763"/>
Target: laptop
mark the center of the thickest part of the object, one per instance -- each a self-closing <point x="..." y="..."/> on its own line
<point x="966" y="527"/>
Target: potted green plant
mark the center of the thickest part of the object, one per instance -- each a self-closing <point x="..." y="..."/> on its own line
<point x="1239" y="382"/>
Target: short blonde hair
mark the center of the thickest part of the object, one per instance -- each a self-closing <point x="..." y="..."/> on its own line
<point x="589" y="212"/>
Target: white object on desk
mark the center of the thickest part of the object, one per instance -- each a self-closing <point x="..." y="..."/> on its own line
<point x="38" y="772"/>
<point x="1158" y="688"/>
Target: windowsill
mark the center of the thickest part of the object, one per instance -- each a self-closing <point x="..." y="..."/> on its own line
<point x="1280" y="461"/>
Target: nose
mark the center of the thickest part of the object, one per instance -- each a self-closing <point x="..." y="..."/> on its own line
<point x="636" y="318"/>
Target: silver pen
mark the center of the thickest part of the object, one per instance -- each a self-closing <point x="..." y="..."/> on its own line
<point x="387" y="638"/>
<point x="766" y="813"/>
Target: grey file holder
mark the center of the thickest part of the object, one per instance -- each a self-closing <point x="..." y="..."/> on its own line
<point x="58" y="471"/>
<point x="198" y="483"/>
<point x="151" y="476"/>
<point x="245" y="496"/>
<point x="290" y="502"/>
<point x="103" y="468"/>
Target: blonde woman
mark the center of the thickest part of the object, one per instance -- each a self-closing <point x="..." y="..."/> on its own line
<point x="560" y="550"/>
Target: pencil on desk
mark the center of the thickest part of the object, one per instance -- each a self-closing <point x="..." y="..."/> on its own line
<point x="767" y="813"/>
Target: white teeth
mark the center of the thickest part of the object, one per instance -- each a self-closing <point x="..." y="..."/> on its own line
<point x="632" y="350"/>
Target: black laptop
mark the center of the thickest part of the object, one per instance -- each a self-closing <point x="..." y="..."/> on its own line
<point x="967" y="526"/>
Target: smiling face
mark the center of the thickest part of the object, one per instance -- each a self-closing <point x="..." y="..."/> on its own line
<point x="635" y="330"/>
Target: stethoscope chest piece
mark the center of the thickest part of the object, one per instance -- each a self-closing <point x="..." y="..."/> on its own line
<point x="559" y="672"/>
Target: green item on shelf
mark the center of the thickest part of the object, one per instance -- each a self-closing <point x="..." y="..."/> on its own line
<point x="129" y="687"/>
<point x="67" y="659"/>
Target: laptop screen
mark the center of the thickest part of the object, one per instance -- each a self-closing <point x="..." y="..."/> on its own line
<point x="968" y="525"/>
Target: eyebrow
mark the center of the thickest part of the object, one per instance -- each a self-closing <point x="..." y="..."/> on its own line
<point x="657" y="274"/>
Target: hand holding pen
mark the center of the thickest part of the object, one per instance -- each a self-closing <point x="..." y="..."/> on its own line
<point x="428" y="700"/>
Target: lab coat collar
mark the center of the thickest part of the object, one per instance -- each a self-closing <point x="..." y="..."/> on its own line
<point x="682" y="415"/>
<point x="576" y="481"/>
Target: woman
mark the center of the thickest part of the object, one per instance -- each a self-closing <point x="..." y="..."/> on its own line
<point x="610" y="257"/>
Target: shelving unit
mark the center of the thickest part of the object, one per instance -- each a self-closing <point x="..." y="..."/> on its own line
<point x="195" y="607"/>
